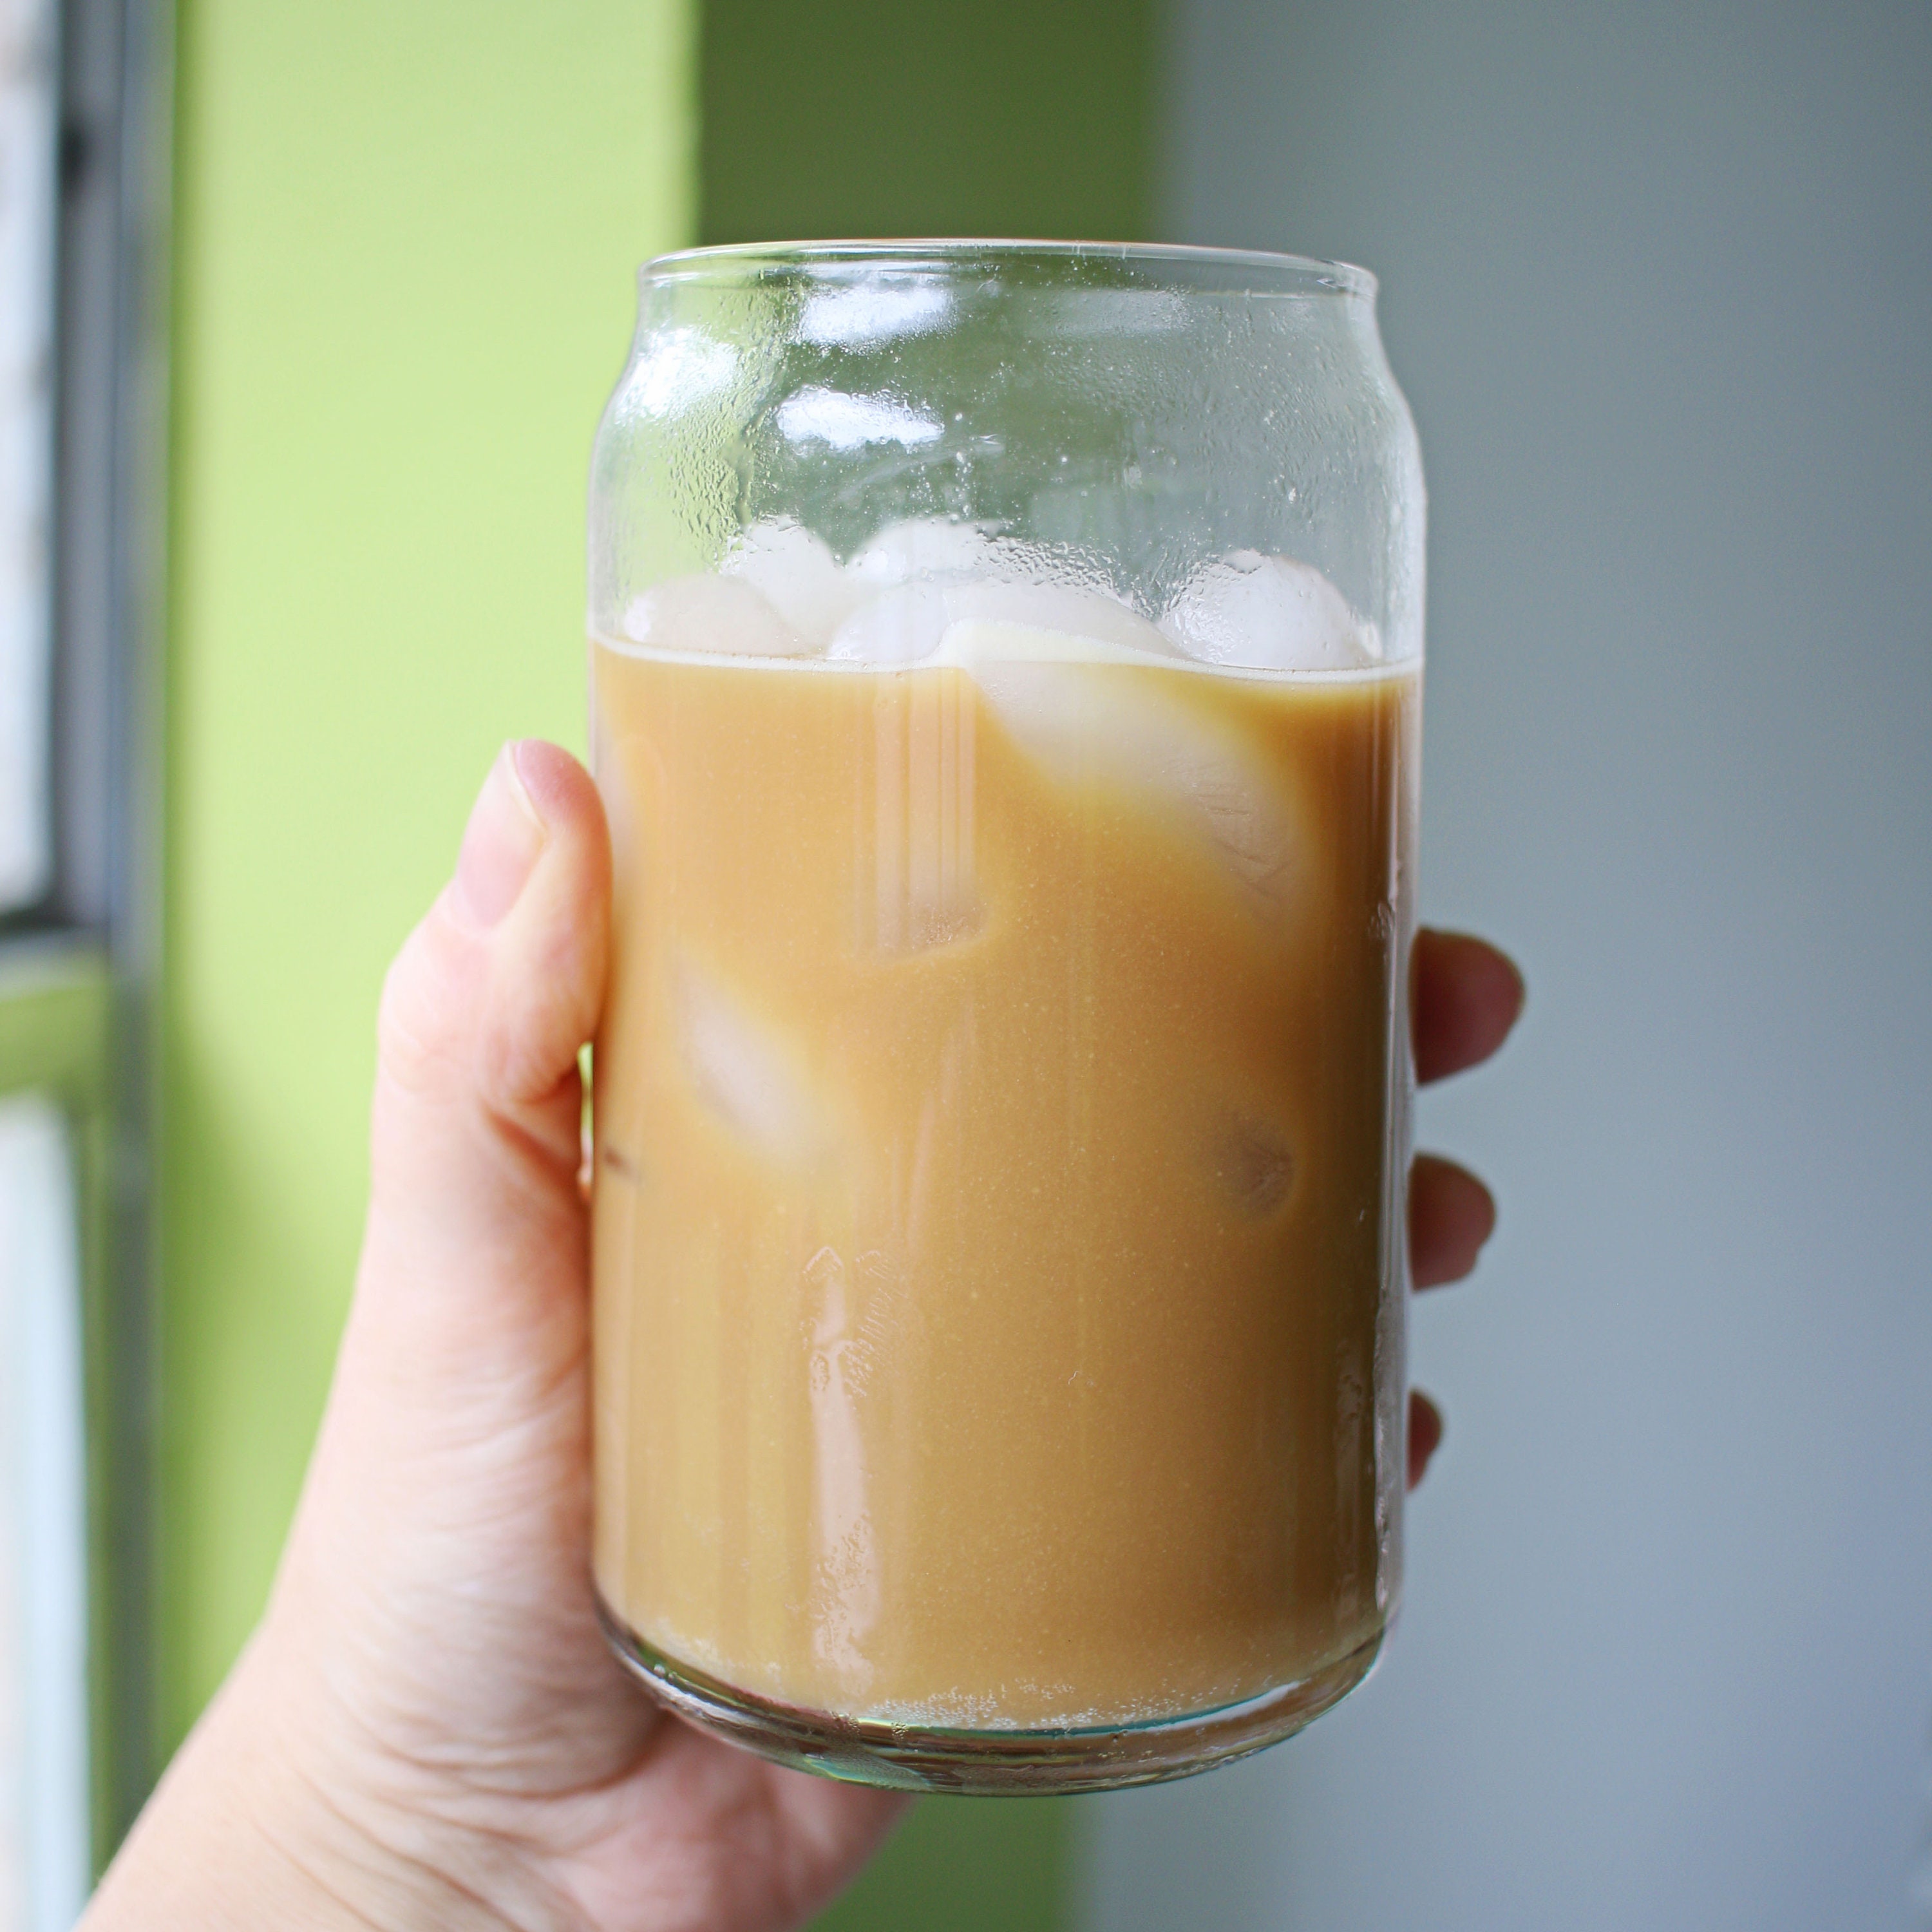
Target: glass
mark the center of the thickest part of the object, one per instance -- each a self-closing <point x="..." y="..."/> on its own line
<point x="1006" y="684"/>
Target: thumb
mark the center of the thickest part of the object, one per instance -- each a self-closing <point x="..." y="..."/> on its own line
<point x="484" y="1010"/>
<point x="437" y="1573"/>
<point x="470" y="1299"/>
<point x="478" y="1108"/>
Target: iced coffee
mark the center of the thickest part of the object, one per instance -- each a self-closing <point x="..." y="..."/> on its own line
<point x="997" y="1239"/>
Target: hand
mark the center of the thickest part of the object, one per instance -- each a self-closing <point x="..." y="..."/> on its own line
<point x="428" y="1728"/>
<point x="1467" y="996"/>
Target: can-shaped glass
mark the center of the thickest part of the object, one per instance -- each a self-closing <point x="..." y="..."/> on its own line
<point x="1005" y="666"/>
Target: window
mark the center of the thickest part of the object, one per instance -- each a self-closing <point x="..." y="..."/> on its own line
<point x="82" y="188"/>
<point x="28" y="138"/>
<point x="43" y="1800"/>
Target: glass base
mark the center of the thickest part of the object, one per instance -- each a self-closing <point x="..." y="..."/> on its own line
<point x="998" y="1764"/>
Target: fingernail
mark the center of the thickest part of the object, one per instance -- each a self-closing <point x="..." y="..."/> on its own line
<point x="500" y="845"/>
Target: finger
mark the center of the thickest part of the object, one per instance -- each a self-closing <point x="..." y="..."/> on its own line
<point x="1467" y="997"/>
<point x="486" y="1009"/>
<point x="1450" y="1215"/>
<point x="474" y="1264"/>
<point x="1425" y="1434"/>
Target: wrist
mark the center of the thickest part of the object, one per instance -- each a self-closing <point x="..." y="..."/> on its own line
<point x="264" y="1820"/>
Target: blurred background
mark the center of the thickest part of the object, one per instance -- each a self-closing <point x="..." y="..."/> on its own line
<point x="306" y="317"/>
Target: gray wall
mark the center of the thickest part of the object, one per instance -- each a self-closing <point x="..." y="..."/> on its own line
<point x="1658" y="280"/>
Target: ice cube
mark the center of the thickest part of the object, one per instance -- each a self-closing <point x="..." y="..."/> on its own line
<point x="920" y="889"/>
<point x="907" y="624"/>
<point x="723" y="615"/>
<point x="797" y="575"/>
<point x="1060" y="609"/>
<point x="928" y="547"/>
<point x="899" y="627"/>
<point x="1251" y="1160"/>
<point x="1267" y="613"/>
<point x="844" y="1604"/>
<point x="744" y="1072"/>
<point x="1089" y="722"/>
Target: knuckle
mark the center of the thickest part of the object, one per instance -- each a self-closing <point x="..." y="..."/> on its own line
<point x="425" y="1024"/>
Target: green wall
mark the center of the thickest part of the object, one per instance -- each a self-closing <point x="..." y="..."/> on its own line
<point x="406" y="230"/>
<point x="405" y="235"/>
<point x="927" y="117"/>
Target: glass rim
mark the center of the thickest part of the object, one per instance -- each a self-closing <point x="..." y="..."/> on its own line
<point x="1196" y="269"/>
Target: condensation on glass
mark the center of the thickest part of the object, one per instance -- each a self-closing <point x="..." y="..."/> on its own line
<point x="28" y="184"/>
<point x="1006" y="678"/>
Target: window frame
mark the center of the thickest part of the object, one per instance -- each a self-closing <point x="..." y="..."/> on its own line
<point x="79" y="969"/>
